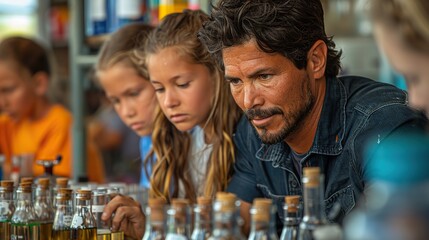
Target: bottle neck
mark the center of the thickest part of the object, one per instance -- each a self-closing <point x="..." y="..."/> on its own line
<point x="178" y="221"/>
<point x="314" y="208"/>
<point x="203" y="217"/>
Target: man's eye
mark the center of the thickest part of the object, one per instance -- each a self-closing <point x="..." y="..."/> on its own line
<point x="265" y="76"/>
<point x="159" y="90"/>
<point x="233" y="81"/>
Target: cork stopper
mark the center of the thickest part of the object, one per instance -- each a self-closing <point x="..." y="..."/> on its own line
<point x="227" y="201"/>
<point x="27" y="180"/>
<point x="204" y="200"/>
<point x="83" y="194"/>
<point x="7" y="185"/>
<point x="292" y="203"/>
<point x="62" y="182"/>
<point x="157" y="205"/>
<point x="64" y="194"/>
<point x="312" y="176"/>
<point x="179" y="202"/>
<point x="261" y="209"/>
<point x="43" y="183"/>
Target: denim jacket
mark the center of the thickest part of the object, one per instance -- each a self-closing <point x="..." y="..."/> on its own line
<point x="356" y="112"/>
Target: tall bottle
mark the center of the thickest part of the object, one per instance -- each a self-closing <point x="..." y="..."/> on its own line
<point x="178" y="220"/>
<point x="291" y="218"/>
<point x="61" y="229"/>
<point x="263" y="220"/>
<point x="203" y="219"/>
<point x="7" y="208"/>
<point x="226" y="217"/>
<point x="155" y="220"/>
<point x="314" y="209"/>
<point x="83" y="224"/>
<point x="24" y="225"/>
<point x="43" y="208"/>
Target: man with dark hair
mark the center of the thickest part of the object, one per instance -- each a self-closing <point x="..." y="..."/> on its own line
<point x="283" y="70"/>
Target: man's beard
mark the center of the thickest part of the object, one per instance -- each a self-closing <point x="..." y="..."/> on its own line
<point x="292" y="120"/>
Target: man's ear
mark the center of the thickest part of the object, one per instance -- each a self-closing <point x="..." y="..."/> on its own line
<point x="41" y="80"/>
<point x="316" y="59"/>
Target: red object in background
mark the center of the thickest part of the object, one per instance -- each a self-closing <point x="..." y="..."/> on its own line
<point x="59" y="23"/>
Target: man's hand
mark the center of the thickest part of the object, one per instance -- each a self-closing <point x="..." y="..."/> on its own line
<point x="127" y="216"/>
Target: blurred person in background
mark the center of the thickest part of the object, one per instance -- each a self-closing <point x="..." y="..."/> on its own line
<point x="32" y="125"/>
<point x="396" y="206"/>
<point x="192" y="136"/>
<point x="125" y="82"/>
<point x="401" y="29"/>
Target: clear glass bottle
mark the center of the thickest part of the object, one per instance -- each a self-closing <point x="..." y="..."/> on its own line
<point x="99" y="201"/>
<point x="24" y="223"/>
<point x="155" y="220"/>
<point x="111" y="193"/>
<point x="83" y="224"/>
<point x="314" y="209"/>
<point x="61" y="229"/>
<point x="60" y="182"/>
<point x="262" y="220"/>
<point x="226" y="217"/>
<point x="43" y="208"/>
<point x="178" y="220"/>
<point x="292" y="218"/>
<point x="203" y="219"/>
<point x="7" y="208"/>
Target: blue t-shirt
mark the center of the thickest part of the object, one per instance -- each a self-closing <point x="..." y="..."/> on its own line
<point x="145" y="146"/>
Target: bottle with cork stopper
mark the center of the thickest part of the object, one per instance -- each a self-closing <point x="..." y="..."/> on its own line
<point x="7" y="207"/>
<point x="292" y="217"/>
<point x="43" y="208"/>
<point x="155" y="219"/>
<point x="203" y="219"/>
<point x="226" y="217"/>
<point x="24" y="219"/>
<point x="178" y="220"/>
<point x="63" y="216"/>
<point x="83" y="224"/>
<point x="262" y="220"/>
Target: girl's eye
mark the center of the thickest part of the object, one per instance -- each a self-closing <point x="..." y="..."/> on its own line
<point x="159" y="90"/>
<point x="185" y="85"/>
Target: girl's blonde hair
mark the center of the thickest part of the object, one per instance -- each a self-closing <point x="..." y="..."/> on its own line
<point x="410" y="18"/>
<point x="172" y="146"/>
<point x="122" y="47"/>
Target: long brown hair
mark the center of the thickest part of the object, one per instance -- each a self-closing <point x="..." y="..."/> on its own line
<point x="172" y="146"/>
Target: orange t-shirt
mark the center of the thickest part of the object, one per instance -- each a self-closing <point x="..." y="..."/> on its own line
<point x="45" y="139"/>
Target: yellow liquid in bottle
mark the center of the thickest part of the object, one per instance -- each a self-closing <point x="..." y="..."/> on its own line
<point x="117" y="236"/>
<point x="5" y="230"/>
<point x="61" y="234"/>
<point x="45" y="230"/>
<point x="103" y="234"/>
<point x="84" y="234"/>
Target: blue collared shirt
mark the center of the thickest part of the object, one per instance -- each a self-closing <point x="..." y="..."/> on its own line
<point x="356" y="112"/>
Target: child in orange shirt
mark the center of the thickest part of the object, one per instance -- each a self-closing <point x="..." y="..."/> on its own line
<point x="30" y="123"/>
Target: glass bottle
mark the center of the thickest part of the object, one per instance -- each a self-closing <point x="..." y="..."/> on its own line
<point x="226" y="217"/>
<point x="99" y="200"/>
<point x="7" y="208"/>
<point x="60" y="182"/>
<point x="203" y="219"/>
<point x="314" y="209"/>
<point x="178" y="220"/>
<point x="262" y="220"/>
<point x="24" y="223"/>
<point x="111" y="193"/>
<point x="83" y="224"/>
<point x="155" y="222"/>
<point x="291" y="218"/>
<point x="63" y="216"/>
<point x="43" y="208"/>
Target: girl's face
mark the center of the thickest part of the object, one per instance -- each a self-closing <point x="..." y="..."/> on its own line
<point x="17" y="93"/>
<point x="132" y="96"/>
<point x="184" y="89"/>
<point x="412" y="64"/>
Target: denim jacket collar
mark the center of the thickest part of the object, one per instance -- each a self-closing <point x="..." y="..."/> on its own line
<point x="330" y="131"/>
